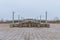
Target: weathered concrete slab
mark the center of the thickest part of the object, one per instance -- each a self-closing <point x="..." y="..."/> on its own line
<point x="52" y="33"/>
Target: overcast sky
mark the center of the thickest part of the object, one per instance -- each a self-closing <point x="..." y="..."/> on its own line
<point x="29" y="8"/>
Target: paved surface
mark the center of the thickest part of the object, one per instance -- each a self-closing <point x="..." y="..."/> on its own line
<point x="52" y="33"/>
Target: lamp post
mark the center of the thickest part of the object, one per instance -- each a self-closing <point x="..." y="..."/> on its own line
<point x="40" y="19"/>
<point x="18" y="18"/>
<point x="46" y="17"/>
<point x="13" y="17"/>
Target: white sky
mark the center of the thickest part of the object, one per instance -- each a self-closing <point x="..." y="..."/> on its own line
<point x="29" y="8"/>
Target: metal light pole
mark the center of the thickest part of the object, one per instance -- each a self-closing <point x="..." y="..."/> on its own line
<point x="46" y="17"/>
<point x="40" y="19"/>
<point x="18" y="18"/>
<point x="13" y="17"/>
